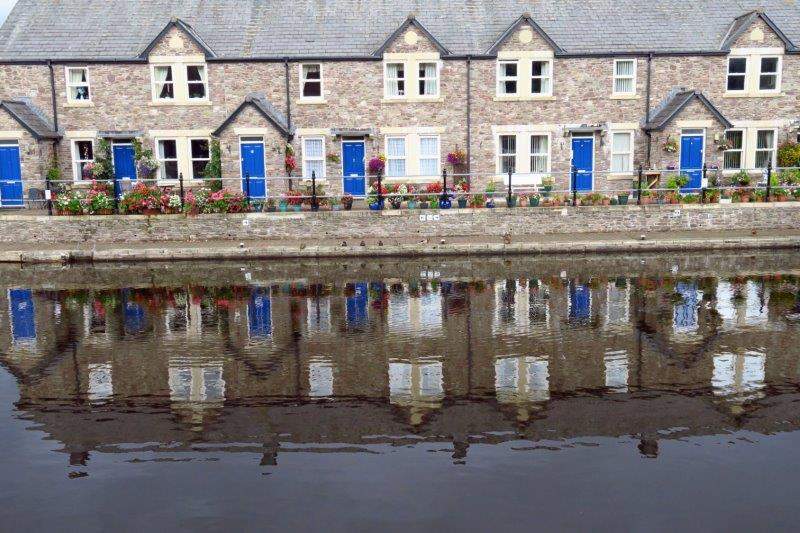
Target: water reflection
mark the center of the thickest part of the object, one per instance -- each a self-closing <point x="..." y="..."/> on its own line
<point x="454" y="357"/>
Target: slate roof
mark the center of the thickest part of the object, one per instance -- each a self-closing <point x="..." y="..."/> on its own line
<point x="30" y="118"/>
<point x="121" y="29"/>
<point x="673" y="105"/>
<point x="265" y="108"/>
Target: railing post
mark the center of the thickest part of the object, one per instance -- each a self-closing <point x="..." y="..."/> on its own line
<point x="769" y="181"/>
<point x="508" y="198"/>
<point x="247" y="185"/>
<point x="380" y="189"/>
<point x="180" y="182"/>
<point x="704" y="184"/>
<point x="314" y="202"/>
<point x="117" y="193"/>
<point x="48" y="195"/>
<point x="574" y="185"/>
<point x="639" y="187"/>
<point x="443" y="197"/>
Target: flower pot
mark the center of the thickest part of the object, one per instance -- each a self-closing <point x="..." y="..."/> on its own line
<point x="622" y="199"/>
<point x="336" y="207"/>
<point x="151" y="212"/>
<point x="271" y="209"/>
<point x="396" y="204"/>
<point x="412" y="204"/>
<point x="511" y="202"/>
<point x="104" y="212"/>
<point x="297" y="208"/>
<point x="533" y="202"/>
<point x="445" y="204"/>
<point x="462" y="203"/>
<point x="490" y="204"/>
<point x="283" y="208"/>
<point x="423" y="205"/>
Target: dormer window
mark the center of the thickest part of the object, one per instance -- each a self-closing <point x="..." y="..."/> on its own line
<point x="163" y="83"/>
<point x="78" y="84"/>
<point x="507" y="77"/>
<point x="754" y="72"/>
<point x="395" y="80"/>
<point x="197" y="82"/>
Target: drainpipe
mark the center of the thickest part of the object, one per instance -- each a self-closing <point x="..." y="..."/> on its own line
<point x="647" y="107"/>
<point x="469" y="119"/>
<point x="288" y="96"/>
<point x="56" y="142"/>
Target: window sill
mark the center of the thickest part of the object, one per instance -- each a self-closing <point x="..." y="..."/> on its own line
<point x="625" y="97"/>
<point x="753" y="95"/>
<point x="180" y="103"/>
<point x="79" y="104"/>
<point x="504" y="98"/>
<point x="621" y="176"/>
<point x="413" y="100"/>
<point x="311" y="101"/>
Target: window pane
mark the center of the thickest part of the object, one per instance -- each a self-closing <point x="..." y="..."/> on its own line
<point x="428" y="167"/>
<point x="765" y="139"/>
<point x="315" y="167"/>
<point x="167" y="150"/>
<point x="396" y="167"/>
<point x="622" y="142"/>
<point x="195" y="73"/>
<point x="539" y="144"/>
<point x="733" y="160"/>
<point x="429" y="146"/>
<point x="200" y="149"/>
<point x="624" y="68"/>
<point x="769" y="65"/>
<point x="736" y="83"/>
<point x="509" y="87"/>
<point x="623" y="85"/>
<point x="313" y="148"/>
<point x="735" y="139"/>
<point x="169" y="170"/>
<point x="396" y="147"/>
<point x="537" y="86"/>
<point x="198" y="169"/>
<point x="312" y="72"/>
<point x="768" y="82"/>
<point x="508" y="144"/>
<point x="737" y="65"/>
<point x="84" y="150"/>
<point x="508" y="70"/>
<point x="539" y="163"/>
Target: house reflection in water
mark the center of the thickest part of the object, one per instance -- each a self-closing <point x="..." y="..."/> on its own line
<point x="342" y="361"/>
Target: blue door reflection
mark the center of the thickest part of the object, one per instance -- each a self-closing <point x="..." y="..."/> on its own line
<point x="580" y="302"/>
<point x="23" y="315"/>
<point x="259" y="313"/>
<point x="357" y="305"/>
<point x="133" y="314"/>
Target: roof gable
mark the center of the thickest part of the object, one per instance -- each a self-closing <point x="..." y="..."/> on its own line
<point x="676" y="103"/>
<point x="525" y="19"/>
<point x="30" y="118"/>
<point x="178" y="24"/>
<point x="411" y="21"/>
<point x="743" y="22"/>
<point x="259" y="102"/>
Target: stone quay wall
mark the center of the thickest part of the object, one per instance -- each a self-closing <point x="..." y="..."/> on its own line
<point x="307" y="227"/>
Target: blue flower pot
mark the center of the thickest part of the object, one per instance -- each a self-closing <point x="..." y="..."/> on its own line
<point x="445" y="204"/>
<point x="376" y="206"/>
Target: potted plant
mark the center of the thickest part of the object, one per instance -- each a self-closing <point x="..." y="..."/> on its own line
<point x="372" y="196"/>
<point x="511" y="201"/>
<point x="270" y="205"/>
<point x="725" y="196"/>
<point x="477" y="200"/>
<point x="347" y="202"/>
<point x="433" y="202"/>
<point x="146" y="164"/>
<point x="376" y="164"/>
<point x="99" y="200"/>
<point x="670" y="145"/>
<point x="780" y="194"/>
<point x="623" y="197"/>
<point x="491" y="187"/>
<point x="397" y="193"/>
<point x="457" y="159"/>
<point x="336" y="204"/>
<point x="283" y="204"/>
<point x="295" y="200"/>
<point x="533" y="200"/>
<point x="462" y="193"/>
<point x="141" y="200"/>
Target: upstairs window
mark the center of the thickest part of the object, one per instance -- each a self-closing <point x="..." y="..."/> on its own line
<point x="311" y="81"/>
<point x="163" y="83"/>
<point x="541" y="78"/>
<point x="768" y="74"/>
<point x="507" y="77"/>
<point x="540" y="154"/>
<point x="622" y="152"/>
<point x="429" y="157"/>
<point x="167" y="155"/>
<point x="197" y="82"/>
<point x="78" y="85"/>
<point x="625" y="76"/>
<point x="765" y="148"/>
<point x="200" y="156"/>
<point x="82" y="155"/>
<point x="395" y="80"/>
<point x="737" y="74"/>
<point x="428" y="79"/>
<point x="314" y="157"/>
<point x="396" y="157"/>
<point x="508" y="154"/>
<point x="733" y="156"/>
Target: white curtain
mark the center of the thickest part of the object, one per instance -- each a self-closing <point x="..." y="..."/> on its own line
<point x="430" y="78"/>
<point x="539" y="153"/>
<point x="623" y="82"/>
<point x="621" y="148"/>
<point x="163" y="74"/>
<point x="77" y="76"/>
<point x="396" y="74"/>
<point x="429" y="156"/>
<point x="765" y="142"/>
<point x="396" y="149"/>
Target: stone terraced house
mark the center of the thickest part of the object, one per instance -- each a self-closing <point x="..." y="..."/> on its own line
<point x="533" y="87"/>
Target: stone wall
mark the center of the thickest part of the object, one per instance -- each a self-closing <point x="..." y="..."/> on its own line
<point x="357" y="225"/>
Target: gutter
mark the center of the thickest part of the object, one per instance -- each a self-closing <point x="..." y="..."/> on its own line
<point x="469" y="119"/>
<point x="647" y="98"/>
<point x="288" y="96"/>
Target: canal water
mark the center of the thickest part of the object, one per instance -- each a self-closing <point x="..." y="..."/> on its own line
<point x="651" y="392"/>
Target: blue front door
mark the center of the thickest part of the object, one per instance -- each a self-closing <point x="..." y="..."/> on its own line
<point x="357" y="305"/>
<point x="583" y="161"/>
<point x="10" y="177"/>
<point x="259" y="313"/>
<point x="692" y="160"/>
<point x="253" y="167"/>
<point x="23" y="316"/>
<point x="580" y="302"/>
<point x="353" y="167"/>
<point x="124" y="164"/>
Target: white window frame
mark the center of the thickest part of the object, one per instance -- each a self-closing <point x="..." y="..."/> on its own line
<point x="742" y="151"/>
<point x="389" y="157"/>
<point x="500" y="154"/>
<point x="192" y="159"/>
<point x="77" y="175"/>
<point x="502" y="78"/>
<point x="186" y="67"/>
<point x="774" y="148"/>
<point x="304" y="80"/>
<point x="746" y="74"/>
<point x="161" y="161"/>
<point x="154" y="84"/>
<point x="549" y="78"/>
<point x="70" y="86"/>
<point x="777" y="74"/>
<point x="421" y="79"/>
<point x="631" y="135"/>
<point x="548" y="154"/>
<point x="388" y="80"/>
<point x="438" y="155"/>
<point x="632" y="77"/>
<point x="306" y="158"/>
